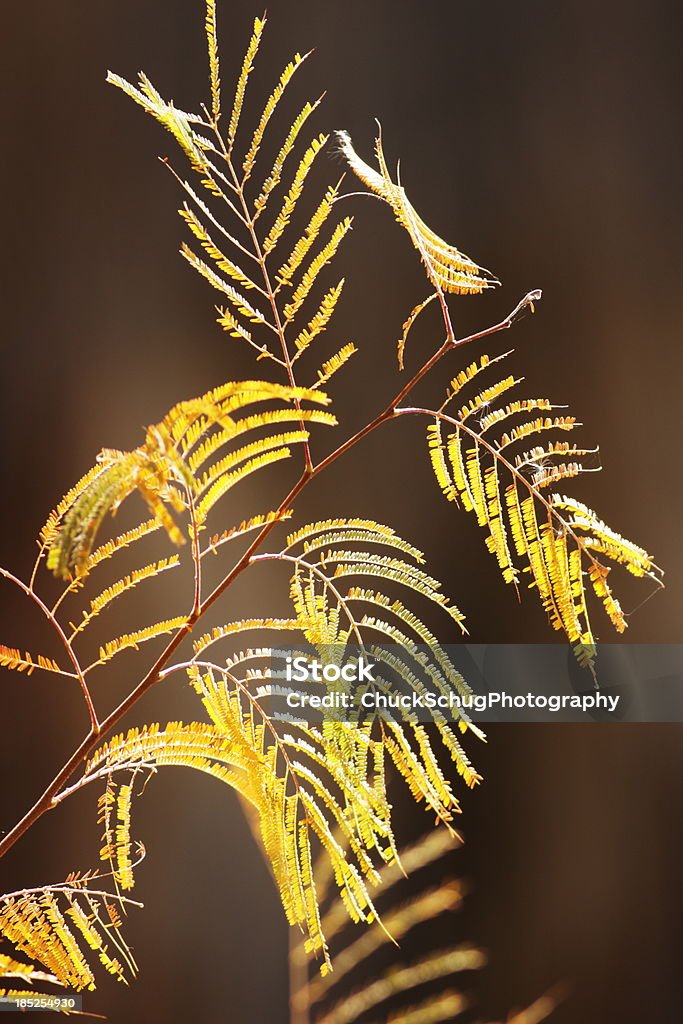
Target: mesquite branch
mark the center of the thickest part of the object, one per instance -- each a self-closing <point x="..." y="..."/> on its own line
<point x="49" y="798"/>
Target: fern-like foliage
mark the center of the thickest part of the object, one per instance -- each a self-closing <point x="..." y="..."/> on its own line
<point x="65" y="928"/>
<point x="187" y="464"/>
<point x="178" y="466"/>
<point x="13" y="971"/>
<point x="263" y="237"/>
<point x="477" y="448"/>
<point x="308" y="786"/>
<point x="447" y="267"/>
<point x="11" y="657"/>
<point x="267" y="280"/>
<point x="489" y="455"/>
<point x="422" y="991"/>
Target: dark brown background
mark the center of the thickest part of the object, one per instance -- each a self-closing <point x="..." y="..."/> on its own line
<point x="542" y="138"/>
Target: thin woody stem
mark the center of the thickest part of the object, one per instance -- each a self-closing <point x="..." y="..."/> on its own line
<point x="70" y="890"/>
<point x="47" y="800"/>
<point x="94" y="723"/>
<point x="387" y="414"/>
<point x="280" y="556"/>
<point x="269" y="291"/>
<point x="196" y="554"/>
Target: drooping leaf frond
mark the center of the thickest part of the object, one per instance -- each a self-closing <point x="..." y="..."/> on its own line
<point x="339" y="615"/>
<point x="327" y="615"/>
<point x="310" y="786"/>
<point x="188" y="461"/>
<point x="66" y="928"/>
<point x="242" y="749"/>
<point x="114" y="814"/>
<point x="164" y="470"/>
<point x="448" y="268"/>
<point x="560" y="542"/>
<point x="51" y="528"/>
<point x="11" y="968"/>
<point x="148" y="470"/>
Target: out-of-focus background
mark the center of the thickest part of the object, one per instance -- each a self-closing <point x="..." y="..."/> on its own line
<point x="543" y="139"/>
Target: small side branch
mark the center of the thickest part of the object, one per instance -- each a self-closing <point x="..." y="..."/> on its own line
<point x="79" y="674"/>
<point x="527" y="303"/>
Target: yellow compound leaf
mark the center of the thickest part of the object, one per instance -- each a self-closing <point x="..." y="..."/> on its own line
<point x="140" y="636"/>
<point x="294" y="193"/>
<point x="326" y="254"/>
<point x="561" y="541"/>
<point x="269" y="110"/>
<point x="320" y="320"/>
<point x="309" y="237"/>
<point x="448" y="268"/>
<point x="214" y="68"/>
<point x="247" y="68"/>
<point x="335" y="363"/>
<point x="11" y="657"/>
